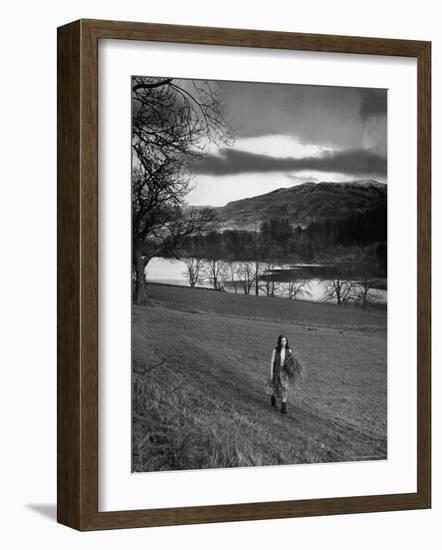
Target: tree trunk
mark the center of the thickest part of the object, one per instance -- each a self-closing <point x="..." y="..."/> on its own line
<point x="338" y="292"/>
<point x="366" y="288"/>
<point x="140" y="278"/>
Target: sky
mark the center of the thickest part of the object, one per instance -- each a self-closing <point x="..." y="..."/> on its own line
<point x="287" y="134"/>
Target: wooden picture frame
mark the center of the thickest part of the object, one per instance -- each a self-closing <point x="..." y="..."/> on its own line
<point x="77" y="409"/>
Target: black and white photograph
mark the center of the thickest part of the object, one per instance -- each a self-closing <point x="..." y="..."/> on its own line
<point x="259" y="274"/>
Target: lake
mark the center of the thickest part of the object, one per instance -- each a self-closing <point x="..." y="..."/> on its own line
<point x="172" y="271"/>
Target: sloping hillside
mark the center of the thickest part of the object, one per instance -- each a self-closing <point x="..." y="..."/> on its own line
<point x="304" y="203"/>
<point x="200" y="362"/>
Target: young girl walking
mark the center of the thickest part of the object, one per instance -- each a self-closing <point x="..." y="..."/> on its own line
<point x="283" y="369"/>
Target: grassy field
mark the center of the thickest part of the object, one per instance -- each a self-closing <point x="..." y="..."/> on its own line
<point x="200" y="362"/>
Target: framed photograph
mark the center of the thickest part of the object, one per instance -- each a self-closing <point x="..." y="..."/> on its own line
<point x="243" y="275"/>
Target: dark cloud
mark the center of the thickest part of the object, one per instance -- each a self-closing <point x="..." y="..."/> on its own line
<point x="315" y="114"/>
<point x="373" y="103"/>
<point x="338" y="117"/>
<point x="351" y="161"/>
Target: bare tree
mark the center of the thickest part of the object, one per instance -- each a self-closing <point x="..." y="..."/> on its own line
<point x="269" y="281"/>
<point x="215" y="271"/>
<point x="194" y="268"/>
<point x="233" y="273"/>
<point x="369" y="269"/>
<point x="361" y="294"/>
<point x="366" y="281"/>
<point x="339" y="280"/>
<point x="245" y="272"/>
<point x="168" y="240"/>
<point x="298" y="287"/>
<point x="259" y="268"/>
<point x="173" y="122"/>
<point x="341" y="290"/>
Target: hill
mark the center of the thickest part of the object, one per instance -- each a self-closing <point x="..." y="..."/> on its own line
<point x="200" y="362"/>
<point x="302" y="204"/>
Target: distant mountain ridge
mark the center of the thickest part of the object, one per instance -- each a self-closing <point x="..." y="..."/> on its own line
<point x="304" y="203"/>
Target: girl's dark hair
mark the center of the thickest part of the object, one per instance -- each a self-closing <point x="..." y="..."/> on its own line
<point x="278" y="342"/>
